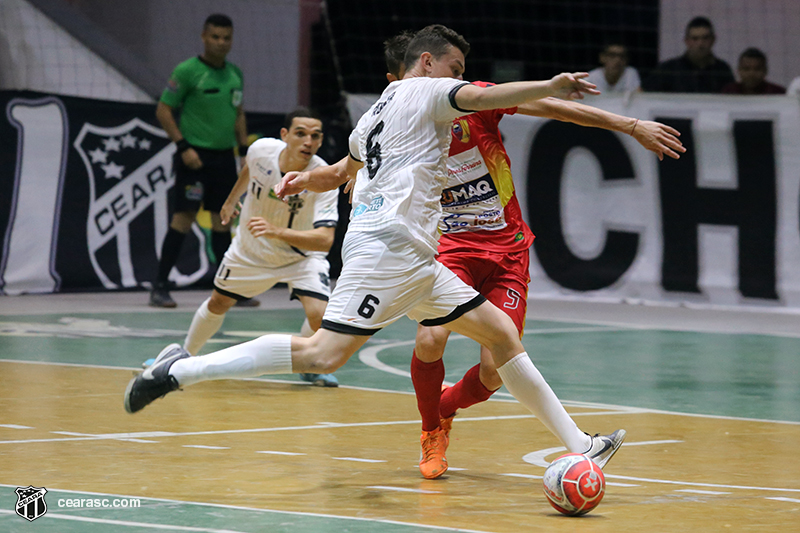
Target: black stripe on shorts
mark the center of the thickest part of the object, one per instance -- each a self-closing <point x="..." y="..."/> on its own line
<point x="347" y="329"/>
<point x="458" y="312"/>
<point x="310" y="294"/>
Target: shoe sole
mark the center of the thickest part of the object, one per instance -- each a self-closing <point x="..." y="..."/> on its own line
<point x="128" y="395"/>
<point x="437" y="476"/>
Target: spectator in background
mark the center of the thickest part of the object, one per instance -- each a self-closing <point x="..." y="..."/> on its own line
<point x="615" y="76"/>
<point x="752" y="75"/>
<point x="697" y="70"/>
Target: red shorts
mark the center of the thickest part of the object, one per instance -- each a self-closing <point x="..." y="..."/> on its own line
<point x="502" y="278"/>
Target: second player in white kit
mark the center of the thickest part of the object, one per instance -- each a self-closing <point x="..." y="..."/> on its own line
<point x="277" y="241"/>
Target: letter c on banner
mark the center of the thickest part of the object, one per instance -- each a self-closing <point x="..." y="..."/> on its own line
<point x="545" y="166"/>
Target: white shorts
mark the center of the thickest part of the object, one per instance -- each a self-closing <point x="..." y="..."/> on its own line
<point x="239" y="277"/>
<point x="384" y="277"/>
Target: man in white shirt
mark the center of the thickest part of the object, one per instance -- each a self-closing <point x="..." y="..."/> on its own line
<point x="398" y="155"/>
<point x="615" y="76"/>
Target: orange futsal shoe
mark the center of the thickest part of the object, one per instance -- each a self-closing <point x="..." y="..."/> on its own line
<point x="447" y="424"/>
<point x="433" y="463"/>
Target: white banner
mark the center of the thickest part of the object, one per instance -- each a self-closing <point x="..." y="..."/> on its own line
<point x="721" y="226"/>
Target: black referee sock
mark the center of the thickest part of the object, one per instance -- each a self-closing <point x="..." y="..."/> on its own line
<point x="220" y="241"/>
<point x="170" y="251"/>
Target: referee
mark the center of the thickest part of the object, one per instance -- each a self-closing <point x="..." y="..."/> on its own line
<point x="208" y="92"/>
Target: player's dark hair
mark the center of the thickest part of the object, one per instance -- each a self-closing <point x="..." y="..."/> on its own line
<point x="219" y="20"/>
<point x="300" y="112"/>
<point x="394" y="51"/>
<point x="754" y="53"/>
<point x="699" y="22"/>
<point x="435" y="39"/>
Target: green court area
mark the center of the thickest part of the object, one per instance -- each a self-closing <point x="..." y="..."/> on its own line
<point x="164" y="515"/>
<point x="739" y="375"/>
<point x="590" y="366"/>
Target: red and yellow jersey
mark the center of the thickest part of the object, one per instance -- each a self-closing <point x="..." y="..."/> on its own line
<point x="480" y="207"/>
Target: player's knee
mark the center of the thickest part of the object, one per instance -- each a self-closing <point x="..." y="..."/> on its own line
<point x="219" y="304"/>
<point x="489" y="377"/>
<point x="315" y="356"/>
<point x="504" y="340"/>
<point x="326" y="362"/>
<point x="429" y="345"/>
<point x="315" y="318"/>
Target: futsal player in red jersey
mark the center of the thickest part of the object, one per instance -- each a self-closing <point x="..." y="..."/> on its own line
<point x="485" y="242"/>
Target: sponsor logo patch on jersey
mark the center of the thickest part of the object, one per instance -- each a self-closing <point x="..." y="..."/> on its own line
<point x="461" y="130"/>
<point x="477" y="190"/>
<point x="374" y="205"/>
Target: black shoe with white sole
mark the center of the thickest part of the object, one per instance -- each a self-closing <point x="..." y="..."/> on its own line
<point x="155" y="382"/>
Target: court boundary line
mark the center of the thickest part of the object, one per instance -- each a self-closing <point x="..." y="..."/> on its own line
<point x="321" y="425"/>
<point x="256" y="509"/>
<point x="127" y="523"/>
<point x="568" y="403"/>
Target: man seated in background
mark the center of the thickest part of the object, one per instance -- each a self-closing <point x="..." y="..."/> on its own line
<point x="615" y="76"/>
<point x="752" y="72"/>
<point x="697" y="70"/>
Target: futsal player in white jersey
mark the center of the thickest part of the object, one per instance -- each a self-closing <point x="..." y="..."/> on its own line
<point x="398" y="153"/>
<point x="277" y="242"/>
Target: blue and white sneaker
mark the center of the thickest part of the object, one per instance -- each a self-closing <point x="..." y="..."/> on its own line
<point x="156" y="381"/>
<point x="321" y="380"/>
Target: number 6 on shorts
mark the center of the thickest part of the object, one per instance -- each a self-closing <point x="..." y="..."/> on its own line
<point x="366" y="309"/>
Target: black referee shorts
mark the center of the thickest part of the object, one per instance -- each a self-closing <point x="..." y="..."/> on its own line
<point x="209" y="185"/>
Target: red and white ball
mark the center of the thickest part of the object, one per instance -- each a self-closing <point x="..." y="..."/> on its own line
<point x="574" y="484"/>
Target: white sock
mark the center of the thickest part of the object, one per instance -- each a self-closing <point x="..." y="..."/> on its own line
<point x="204" y="325"/>
<point x="306" y="330"/>
<point x="527" y="385"/>
<point x="270" y="354"/>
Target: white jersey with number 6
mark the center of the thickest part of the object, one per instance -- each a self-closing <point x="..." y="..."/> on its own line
<point x="301" y="212"/>
<point x="403" y="141"/>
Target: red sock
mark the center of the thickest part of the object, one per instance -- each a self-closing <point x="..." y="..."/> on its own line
<point x="427" y="379"/>
<point x="466" y="392"/>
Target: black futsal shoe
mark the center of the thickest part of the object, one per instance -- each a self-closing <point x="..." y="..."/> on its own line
<point x="159" y="297"/>
<point x="155" y="382"/>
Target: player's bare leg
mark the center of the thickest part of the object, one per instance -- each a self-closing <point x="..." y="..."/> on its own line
<point x="315" y="308"/>
<point x="495" y="330"/>
<point x="322" y="353"/>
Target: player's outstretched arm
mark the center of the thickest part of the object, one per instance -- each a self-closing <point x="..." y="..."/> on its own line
<point x="231" y="206"/>
<point x="654" y="136"/>
<point x="320" y="179"/>
<point x="566" y="85"/>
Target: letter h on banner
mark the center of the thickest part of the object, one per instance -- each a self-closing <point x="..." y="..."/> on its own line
<point x="752" y="208"/>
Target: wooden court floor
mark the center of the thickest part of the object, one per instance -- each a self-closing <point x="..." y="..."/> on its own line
<point x="711" y="445"/>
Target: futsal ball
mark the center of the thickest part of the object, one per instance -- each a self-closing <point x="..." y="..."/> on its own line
<point x="574" y="484"/>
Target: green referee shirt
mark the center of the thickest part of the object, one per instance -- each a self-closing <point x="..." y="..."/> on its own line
<point x="209" y="99"/>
